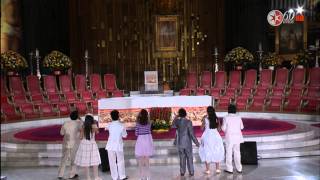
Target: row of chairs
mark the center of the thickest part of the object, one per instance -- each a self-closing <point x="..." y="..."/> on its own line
<point x="36" y="101"/>
<point x="279" y="94"/>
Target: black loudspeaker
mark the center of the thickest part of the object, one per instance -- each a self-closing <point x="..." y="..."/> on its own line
<point x="104" y="160"/>
<point x="249" y="153"/>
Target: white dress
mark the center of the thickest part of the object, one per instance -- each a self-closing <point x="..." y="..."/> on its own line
<point x="88" y="153"/>
<point x="211" y="148"/>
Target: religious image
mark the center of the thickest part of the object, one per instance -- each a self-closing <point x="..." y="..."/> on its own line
<point x="291" y="38"/>
<point x="167" y="33"/>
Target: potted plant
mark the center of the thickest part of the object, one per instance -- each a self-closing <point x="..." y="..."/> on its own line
<point x="161" y="119"/>
<point x="301" y="59"/>
<point x="238" y="56"/>
<point x="271" y="60"/>
<point x="57" y="62"/>
<point x="13" y="62"/>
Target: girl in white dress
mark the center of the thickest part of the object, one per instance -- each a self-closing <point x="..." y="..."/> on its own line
<point x="211" y="148"/>
<point x="88" y="152"/>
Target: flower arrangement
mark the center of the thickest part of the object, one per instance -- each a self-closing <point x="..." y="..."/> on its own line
<point x="57" y="61"/>
<point x="238" y="56"/>
<point x="13" y="61"/>
<point x="271" y="59"/>
<point x="161" y="118"/>
<point x="301" y="58"/>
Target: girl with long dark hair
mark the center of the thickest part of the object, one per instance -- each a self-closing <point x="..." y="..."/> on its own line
<point x="211" y="149"/>
<point x="144" y="146"/>
<point x="88" y="152"/>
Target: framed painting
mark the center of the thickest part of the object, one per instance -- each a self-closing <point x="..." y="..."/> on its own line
<point x="166" y="33"/>
<point x="291" y="38"/>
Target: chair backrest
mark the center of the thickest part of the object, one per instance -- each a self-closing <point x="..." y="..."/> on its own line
<point x="16" y="85"/>
<point x="4" y="89"/>
<point x="110" y="82"/>
<point x="95" y="82"/>
<point x="314" y="77"/>
<point x="265" y="77"/>
<point x="33" y="85"/>
<point x="220" y="79"/>
<point x="65" y="83"/>
<point x="250" y="78"/>
<point x="298" y="77"/>
<point x="192" y="80"/>
<point x="281" y="79"/>
<point x="80" y="83"/>
<point x="50" y="84"/>
<point x="206" y="79"/>
<point x="235" y="79"/>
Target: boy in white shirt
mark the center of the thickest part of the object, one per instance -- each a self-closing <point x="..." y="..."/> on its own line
<point x="114" y="146"/>
<point x="232" y="126"/>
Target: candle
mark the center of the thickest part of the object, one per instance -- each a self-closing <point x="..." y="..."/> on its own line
<point x="260" y="46"/>
<point x="215" y="51"/>
<point x="317" y="43"/>
<point x="86" y="54"/>
<point x="37" y="53"/>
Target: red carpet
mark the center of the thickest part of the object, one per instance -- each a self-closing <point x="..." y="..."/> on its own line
<point x="316" y="125"/>
<point x="252" y="127"/>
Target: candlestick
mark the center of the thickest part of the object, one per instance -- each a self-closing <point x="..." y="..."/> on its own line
<point x="86" y="54"/>
<point x="317" y="43"/>
<point x="215" y="51"/>
<point x="260" y="46"/>
<point x="37" y="52"/>
<point x="216" y="54"/>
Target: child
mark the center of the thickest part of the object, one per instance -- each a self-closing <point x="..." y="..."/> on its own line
<point x="88" y="152"/>
<point x="144" y="146"/>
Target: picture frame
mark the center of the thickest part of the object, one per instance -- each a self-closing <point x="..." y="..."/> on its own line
<point x="166" y="28"/>
<point x="291" y="38"/>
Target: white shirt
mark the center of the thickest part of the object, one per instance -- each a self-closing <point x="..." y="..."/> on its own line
<point x="70" y="131"/>
<point x="117" y="131"/>
<point x="232" y="126"/>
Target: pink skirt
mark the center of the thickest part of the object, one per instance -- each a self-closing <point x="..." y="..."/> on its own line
<point x="144" y="146"/>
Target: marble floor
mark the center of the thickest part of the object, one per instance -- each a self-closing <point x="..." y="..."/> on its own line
<point x="302" y="168"/>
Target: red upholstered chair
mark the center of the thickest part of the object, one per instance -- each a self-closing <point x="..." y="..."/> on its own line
<point x="281" y="82"/>
<point x="261" y="92"/>
<point x="223" y="103"/>
<point x="111" y="85"/>
<point x="311" y="105"/>
<point x="86" y="96"/>
<point x="4" y="89"/>
<point x="219" y="82"/>
<point x="66" y="88"/>
<point x="96" y="86"/>
<point x="314" y="78"/>
<point x="53" y="98"/>
<point x="46" y="110"/>
<point x="191" y="84"/>
<point x="298" y="79"/>
<point x="50" y="84"/>
<point x="16" y="86"/>
<point x="241" y="102"/>
<point x="9" y="113"/>
<point x="81" y="88"/>
<point x="28" y="111"/>
<point x="81" y="107"/>
<point x="19" y="99"/>
<point x="274" y="104"/>
<point x="312" y="93"/>
<point x="250" y="79"/>
<point x="265" y="81"/>
<point x="63" y="109"/>
<point x="257" y="104"/>
<point x="37" y="99"/>
<point x="94" y="106"/>
<point x="292" y="104"/>
<point x="234" y="84"/>
<point x="206" y="79"/>
<point x="33" y="85"/>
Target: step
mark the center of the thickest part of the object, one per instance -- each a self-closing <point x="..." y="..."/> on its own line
<point x="293" y="152"/>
